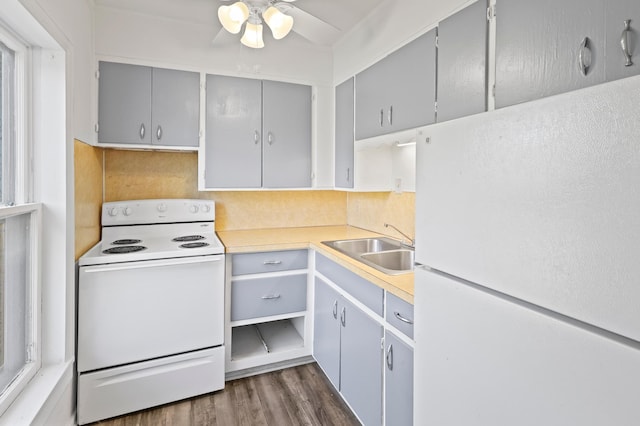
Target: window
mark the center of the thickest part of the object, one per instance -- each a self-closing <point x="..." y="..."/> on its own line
<point x="19" y="228"/>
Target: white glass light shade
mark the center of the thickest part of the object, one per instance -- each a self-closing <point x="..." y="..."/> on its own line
<point x="232" y="17"/>
<point x="279" y="23"/>
<point x="252" y="36"/>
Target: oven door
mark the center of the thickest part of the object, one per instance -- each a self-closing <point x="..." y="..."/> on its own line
<point x="134" y="311"/>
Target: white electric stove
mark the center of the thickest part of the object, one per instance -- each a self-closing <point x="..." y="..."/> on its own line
<point x="150" y="308"/>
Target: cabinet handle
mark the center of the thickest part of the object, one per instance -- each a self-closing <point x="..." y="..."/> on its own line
<point x="390" y="115"/>
<point x="335" y="309"/>
<point x="381" y="117"/>
<point x="256" y="137"/>
<point x="584" y="56"/>
<point x="159" y="133"/>
<point x="401" y="318"/>
<point x="271" y="297"/>
<point x="390" y="357"/>
<point x="348" y="173"/>
<point x="624" y="43"/>
<point x="272" y="262"/>
<point x="142" y="131"/>
<point x="270" y="138"/>
<point x="343" y="317"/>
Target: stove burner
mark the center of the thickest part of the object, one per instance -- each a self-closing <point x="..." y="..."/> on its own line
<point x="125" y="242"/>
<point x="188" y="238"/>
<point x="123" y="249"/>
<point x="193" y="245"/>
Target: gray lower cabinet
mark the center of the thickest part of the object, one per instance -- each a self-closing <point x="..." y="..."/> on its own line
<point x="398" y="383"/>
<point x="398" y="92"/>
<point x="344" y="134"/>
<point x="547" y="47"/>
<point x="258" y="134"/>
<point x="462" y="50"/>
<point x="347" y="347"/>
<point x="266" y="317"/>
<point x="148" y="106"/>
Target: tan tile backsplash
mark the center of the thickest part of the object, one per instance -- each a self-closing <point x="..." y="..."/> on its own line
<point x="88" y="195"/>
<point x="371" y="210"/>
<point x="153" y="174"/>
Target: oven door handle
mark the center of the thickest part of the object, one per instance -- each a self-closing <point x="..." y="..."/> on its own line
<point x="151" y="263"/>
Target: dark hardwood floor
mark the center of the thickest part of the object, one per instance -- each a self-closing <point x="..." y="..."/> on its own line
<point x="295" y="396"/>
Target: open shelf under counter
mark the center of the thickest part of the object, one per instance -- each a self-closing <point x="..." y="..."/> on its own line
<point x="269" y="342"/>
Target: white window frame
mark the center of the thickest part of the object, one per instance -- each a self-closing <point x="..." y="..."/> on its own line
<point x="23" y="170"/>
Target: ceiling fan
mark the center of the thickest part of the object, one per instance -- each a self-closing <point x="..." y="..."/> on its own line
<point x="281" y="16"/>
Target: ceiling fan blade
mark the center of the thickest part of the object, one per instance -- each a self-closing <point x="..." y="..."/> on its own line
<point x="313" y="28"/>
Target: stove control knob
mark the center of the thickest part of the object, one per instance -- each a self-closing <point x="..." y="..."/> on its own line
<point x="162" y="207"/>
<point x="127" y="211"/>
<point x="193" y="208"/>
<point x="113" y="211"/>
<point x="206" y="208"/>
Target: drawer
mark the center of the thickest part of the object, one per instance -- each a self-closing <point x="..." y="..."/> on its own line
<point x="400" y="314"/>
<point x="269" y="261"/>
<point x="116" y="391"/>
<point x="366" y="292"/>
<point x="263" y="297"/>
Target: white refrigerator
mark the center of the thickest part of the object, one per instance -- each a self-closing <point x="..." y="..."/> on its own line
<point x="527" y="306"/>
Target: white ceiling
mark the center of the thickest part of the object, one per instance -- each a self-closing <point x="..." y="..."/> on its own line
<point x="319" y="22"/>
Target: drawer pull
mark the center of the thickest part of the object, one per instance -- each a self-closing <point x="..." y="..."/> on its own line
<point x="272" y="262"/>
<point x="271" y="296"/>
<point x="401" y="318"/>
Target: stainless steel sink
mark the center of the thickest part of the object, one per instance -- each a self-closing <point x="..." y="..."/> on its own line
<point x="384" y="254"/>
<point x="363" y="245"/>
<point x="394" y="260"/>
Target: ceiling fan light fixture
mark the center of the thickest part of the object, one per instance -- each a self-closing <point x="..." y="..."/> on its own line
<point x="253" y="36"/>
<point x="232" y="17"/>
<point x="279" y="23"/>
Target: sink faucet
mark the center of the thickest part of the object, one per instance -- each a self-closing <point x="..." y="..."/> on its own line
<point x="412" y="242"/>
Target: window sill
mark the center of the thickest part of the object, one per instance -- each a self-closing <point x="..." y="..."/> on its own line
<point x="36" y="402"/>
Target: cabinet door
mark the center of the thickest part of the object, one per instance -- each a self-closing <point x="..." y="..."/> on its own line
<point x="373" y="88"/>
<point x="286" y="127"/>
<point x="361" y="363"/>
<point x="344" y="135"/>
<point x="538" y="48"/>
<point x="398" y="385"/>
<point x="616" y="13"/>
<point x="233" y="140"/>
<point x="124" y="104"/>
<point x="398" y="92"/>
<point x="413" y="72"/>
<point x="175" y="108"/>
<point x="326" y="331"/>
<point x="462" y="45"/>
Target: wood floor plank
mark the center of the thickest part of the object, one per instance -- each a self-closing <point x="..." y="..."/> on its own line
<point x="291" y="397"/>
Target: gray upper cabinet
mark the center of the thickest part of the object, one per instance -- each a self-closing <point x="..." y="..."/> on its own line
<point x="462" y="51"/>
<point x="233" y="133"/>
<point x="148" y="106"/>
<point x="286" y="135"/>
<point x="547" y="47"/>
<point x="616" y="13"/>
<point x="398" y="92"/>
<point x="124" y="104"/>
<point x="258" y="134"/>
<point x="175" y="108"/>
<point x="344" y="134"/>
